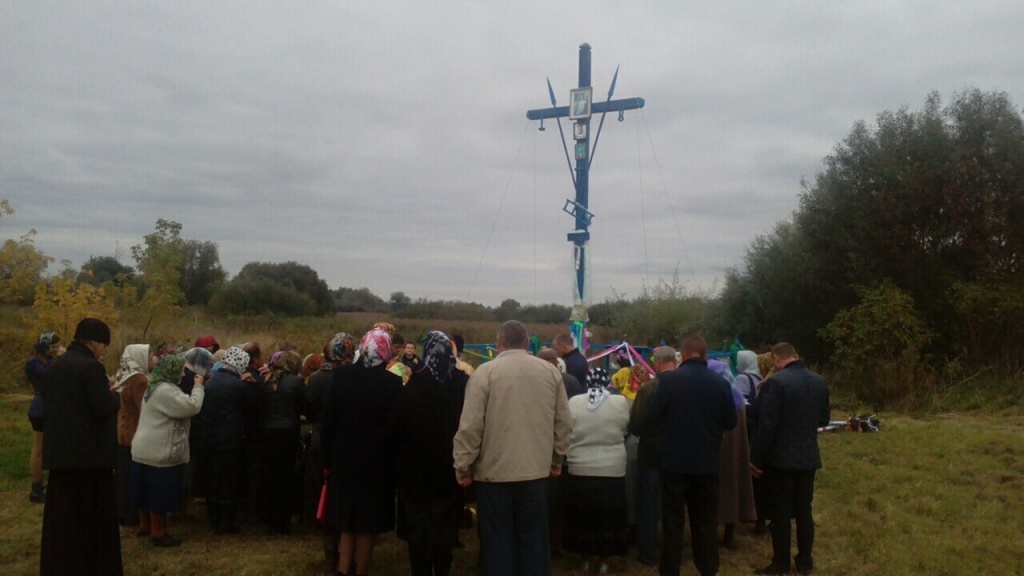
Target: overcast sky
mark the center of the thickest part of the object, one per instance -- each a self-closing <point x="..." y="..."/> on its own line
<point x="386" y="144"/>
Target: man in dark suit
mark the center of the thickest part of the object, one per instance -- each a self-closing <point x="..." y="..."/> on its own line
<point x="793" y="405"/>
<point x="695" y="406"/>
<point x="575" y="361"/>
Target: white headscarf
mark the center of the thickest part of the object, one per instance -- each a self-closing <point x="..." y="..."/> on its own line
<point x="134" y="360"/>
<point x="236" y="360"/>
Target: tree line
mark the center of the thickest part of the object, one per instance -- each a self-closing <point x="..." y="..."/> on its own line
<point x="902" y="266"/>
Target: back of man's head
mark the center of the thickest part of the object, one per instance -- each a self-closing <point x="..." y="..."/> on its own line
<point x="784" y="351"/>
<point x="563" y="343"/>
<point x="549" y="355"/>
<point x="694" y="346"/>
<point x="513" y="335"/>
<point x="664" y="358"/>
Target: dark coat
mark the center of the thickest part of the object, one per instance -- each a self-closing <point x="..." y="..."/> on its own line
<point x="792" y="405"/>
<point x="356" y="450"/>
<point x="228" y="410"/>
<point x="283" y="408"/>
<point x="34" y="370"/>
<point x="81" y="413"/>
<point x="576" y="364"/>
<point x="316" y="393"/>
<point x="573" y="387"/>
<point x="696" y="407"/>
<point x="422" y="426"/>
<point x="652" y="435"/>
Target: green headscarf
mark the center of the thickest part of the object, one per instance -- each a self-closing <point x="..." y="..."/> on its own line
<point x="168" y="369"/>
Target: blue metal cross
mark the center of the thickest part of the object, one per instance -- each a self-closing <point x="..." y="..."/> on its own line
<point x="580" y="237"/>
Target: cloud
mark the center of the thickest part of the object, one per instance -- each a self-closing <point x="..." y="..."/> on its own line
<point x="386" y="145"/>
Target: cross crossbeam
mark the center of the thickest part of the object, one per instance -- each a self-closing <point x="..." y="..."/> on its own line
<point x="597" y="108"/>
<point x="580" y="110"/>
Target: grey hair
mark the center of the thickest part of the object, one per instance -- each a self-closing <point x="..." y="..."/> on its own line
<point x="513" y="335"/>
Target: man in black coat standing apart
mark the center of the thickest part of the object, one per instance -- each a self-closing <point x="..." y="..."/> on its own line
<point x="793" y="405"/>
<point x="80" y="533"/>
<point x="696" y="407"/>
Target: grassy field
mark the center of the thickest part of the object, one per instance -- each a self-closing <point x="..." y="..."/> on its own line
<point x="934" y="495"/>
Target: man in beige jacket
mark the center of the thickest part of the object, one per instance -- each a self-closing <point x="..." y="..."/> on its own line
<point x="513" y="435"/>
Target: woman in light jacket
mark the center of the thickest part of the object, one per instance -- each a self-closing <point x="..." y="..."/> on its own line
<point x="595" y="483"/>
<point x="160" y="447"/>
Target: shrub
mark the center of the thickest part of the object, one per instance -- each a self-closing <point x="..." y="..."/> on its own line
<point x="878" y="345"/>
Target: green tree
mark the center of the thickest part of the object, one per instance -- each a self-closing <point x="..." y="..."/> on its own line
<point x="159" y="261"/>
<point x="929" y="199"/>
<point x="508" y="310"/>
<point x="201" y="271"/>
<point x="879" y="344"/>
<point x="288" y="288"/>
<point x="397" y="301"/>
<point x="99" y="270"/>
<point x="665" y="311"/>
<point x="358" y="300"/>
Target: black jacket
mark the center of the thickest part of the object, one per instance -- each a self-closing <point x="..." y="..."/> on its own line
<point x="792" y="404"/>
<point x="696" y="407"/>
<point x="576" y="364"/>
<point x="652" y="435"/>
<point x="283" y="408"/>
<point x="228" y="410"/>
<point x="81" y="413"/>
<point x="422" y="426"/>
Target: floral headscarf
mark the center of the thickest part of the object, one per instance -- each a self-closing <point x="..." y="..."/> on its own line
<point x="343" y="350"/>
<point x="235" y="360"/>
<point x="168" y="369"/>
<point x="134" y="360"/>
<point x="311" y="363"/>
<point x="199" y="360"/>
<point x="375" y="347"/>
<point x="439" y="356"/>
<point x="598" y="382"/>
<point x="283" y="363"/>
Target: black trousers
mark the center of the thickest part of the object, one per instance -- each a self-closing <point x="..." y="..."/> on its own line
<point x="791" y="493"/>
<point x="697" y="495"/>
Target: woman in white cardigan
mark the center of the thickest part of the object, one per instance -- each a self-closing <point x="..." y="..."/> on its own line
<point x="160" y="448"/>
<point x="595" y="483"/>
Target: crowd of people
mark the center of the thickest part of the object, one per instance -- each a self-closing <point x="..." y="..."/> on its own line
<point x="555" y="454"/>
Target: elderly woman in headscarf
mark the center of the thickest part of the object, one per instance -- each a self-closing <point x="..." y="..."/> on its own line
<point x="226" y="416"/>
<point x="198" y="362"/>
<point x="284" y="398"/>
<point x="339" y="351"/>
<point x="735" y="488"/>
<point x="359" y="461"/>
<point x="160" y="447"/>
<point x="132" y="378"/>
<point x="595" y="482"/>
<point x="422" y="425"/>
<point x="748" y="375"/>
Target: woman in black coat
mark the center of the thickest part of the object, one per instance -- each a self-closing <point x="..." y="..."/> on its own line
<point x="277" y="484"/>
<point x="227" y="415"/>
<point x="423" y="424"/>
<point x="358" y="458"/>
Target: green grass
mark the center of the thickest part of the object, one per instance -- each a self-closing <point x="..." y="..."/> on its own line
<point x="936" y="495"/>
